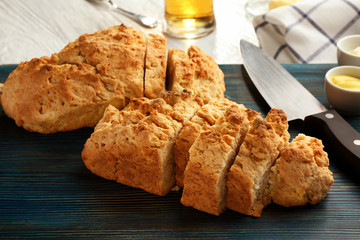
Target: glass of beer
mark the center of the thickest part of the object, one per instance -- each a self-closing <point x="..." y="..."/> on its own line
<point x="189" y="18"/>
<point x="256" y="7"/>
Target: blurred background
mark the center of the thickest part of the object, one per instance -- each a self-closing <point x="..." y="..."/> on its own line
<point x="37" y="28"/>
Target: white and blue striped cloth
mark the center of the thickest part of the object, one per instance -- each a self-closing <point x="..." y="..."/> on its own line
<point x="307" y="31"/>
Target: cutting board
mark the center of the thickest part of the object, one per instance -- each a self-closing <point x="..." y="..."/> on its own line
<point x="46" y="191"/>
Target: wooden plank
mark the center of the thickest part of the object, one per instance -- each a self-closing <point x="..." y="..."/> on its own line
<point x="46" y="191"/>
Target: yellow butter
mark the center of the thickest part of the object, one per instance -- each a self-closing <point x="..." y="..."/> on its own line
<point x="347" y="82"/>
<point x="279" y="3"/>
<point x="355" y="51"/>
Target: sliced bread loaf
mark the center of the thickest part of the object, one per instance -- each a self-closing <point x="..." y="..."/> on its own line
<point x="135" y="146"/>
<point x="211" y="156"/>
<point x="248" y="178"/>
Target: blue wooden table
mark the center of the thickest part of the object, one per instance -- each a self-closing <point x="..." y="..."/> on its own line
<point x="47" y="192"/>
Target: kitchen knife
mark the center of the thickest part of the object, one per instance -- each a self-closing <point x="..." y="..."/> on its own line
<point x="281" y="90"/>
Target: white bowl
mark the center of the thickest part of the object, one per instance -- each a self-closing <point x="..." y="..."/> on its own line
<point x="344" y="100"/>
<point x="345" y="45"/>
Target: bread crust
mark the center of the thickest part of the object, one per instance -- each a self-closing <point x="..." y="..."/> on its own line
<point x="135" y="146"/>
<point x="195" y="71"/>
<point x="47" y="98"/>
<point x="301" y="174"/>
<point x="209" y="79"/>
<point x="248" y="178"/>
<point x="116" y="53"/>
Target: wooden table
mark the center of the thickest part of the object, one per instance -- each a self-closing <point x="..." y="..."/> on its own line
<point x="47" y="192"/>
<point x="38" y="28"/>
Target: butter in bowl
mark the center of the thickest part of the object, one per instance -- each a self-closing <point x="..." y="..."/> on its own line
<point x="348" y="51"/>
<point x="342" y="87"/>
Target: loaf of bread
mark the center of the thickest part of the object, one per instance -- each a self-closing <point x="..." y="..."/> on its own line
<point x="301" y="174"/>
<point x="195" y="71"/>
<point x="249" y="176"/>
<point x="46" y="97"/>
<point x="71" y="89"/>
<point x="211" y="156"/>
<point x="135" y="146"/>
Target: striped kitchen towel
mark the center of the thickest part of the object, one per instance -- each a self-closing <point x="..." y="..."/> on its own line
<point x="307" y="31"/>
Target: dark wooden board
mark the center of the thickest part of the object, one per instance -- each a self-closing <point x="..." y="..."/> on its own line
<point x="47" y="192"/>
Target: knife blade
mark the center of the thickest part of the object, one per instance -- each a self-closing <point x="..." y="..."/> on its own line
<point x="281" y="90"/>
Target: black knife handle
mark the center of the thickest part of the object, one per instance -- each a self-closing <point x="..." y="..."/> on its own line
<point x="339" y="136"/>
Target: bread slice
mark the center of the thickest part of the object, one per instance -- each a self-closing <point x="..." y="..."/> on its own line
<point x="211" y="156"/>
<point x="194" y="71"/>
<point x="180" y="71"/>
<point x="301" y="174"/>
<point x="155" y="66"/>
<point x="204" y="118"/>
<point x="135" y="146"/>
<point x="207" y="116"/>
<point x="209" y="79"/>
<point x="248" y="178"/>
<point x="71" y="89"/>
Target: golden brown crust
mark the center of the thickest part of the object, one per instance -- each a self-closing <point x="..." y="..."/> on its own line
<point x="209" y="79"/>
<point x="117" y="53"/>
<point x="71" y="89"/>
<point x="301" y="174"/>
<point x="45" y="97"/>
<point x="195" y="71"/>
<point x="211" y="156"/>
<point x="180" y="71"/>
<point x="249" y="175"/>
<point x="155" y="66"/>
<point x="135" y="146"/>
<point x="183" y="104"/>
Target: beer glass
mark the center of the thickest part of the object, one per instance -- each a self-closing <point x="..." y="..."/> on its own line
<point x="189" y="18"/>
<point x="256" y="7"/>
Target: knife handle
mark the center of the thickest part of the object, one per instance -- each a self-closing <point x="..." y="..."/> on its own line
<point x="339" y="136"/>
